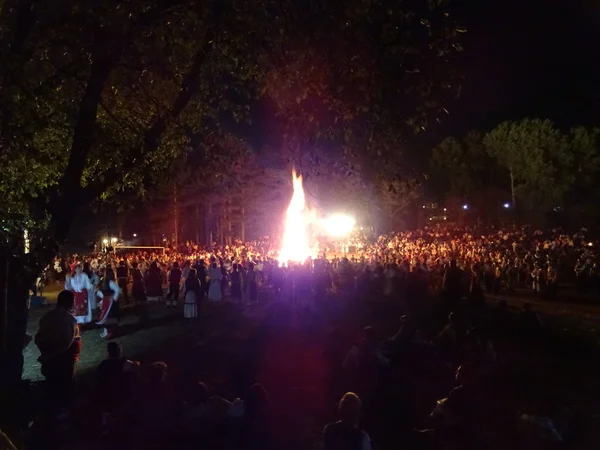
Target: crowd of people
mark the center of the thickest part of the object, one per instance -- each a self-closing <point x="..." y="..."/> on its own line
<point x="492" y="259"/>
<point x="455" y="263"/>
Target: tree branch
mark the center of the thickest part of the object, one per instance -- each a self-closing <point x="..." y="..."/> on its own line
<point x="106" y="53"/>
<point x="125" y="126"/>
<point x="152" y="137"/>
<point x="103" y="60"/>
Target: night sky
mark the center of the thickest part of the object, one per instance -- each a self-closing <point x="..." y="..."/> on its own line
<point x="528" y="58"/>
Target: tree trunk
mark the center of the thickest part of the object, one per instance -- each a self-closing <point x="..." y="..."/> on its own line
<point x="243" y="225"/>
<point x="220" y="229"/>
<point x="120" y="226"/>
<point x="198" y="223"/>
<point x="4" y="303"/>
<point x="175" y="217"/>
<point x="14" y="288"/>
<point x="512" y="189"/>
<point x="104" y="57"/>
<point x="209" y="227"/>
<point x="189" y="87"/>
<point x="229" y="222"/>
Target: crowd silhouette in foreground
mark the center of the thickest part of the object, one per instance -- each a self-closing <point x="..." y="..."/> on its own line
<point x="436" y="382"/>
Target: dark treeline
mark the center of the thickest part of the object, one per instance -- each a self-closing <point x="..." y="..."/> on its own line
<point x="530" y="167"/>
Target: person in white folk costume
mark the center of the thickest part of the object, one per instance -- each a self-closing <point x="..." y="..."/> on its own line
<point x="215" y="275"/>
<point x="87" y="269"/>
<point x="109" y="308"/>
<point x="193" y="295"/>
<point x="81" y="285"/>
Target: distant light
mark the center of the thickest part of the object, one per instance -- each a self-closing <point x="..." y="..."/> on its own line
<point x="445" y="210"/>
<point x="465" y="207"/>
<point x="590" y="244"/>
<point x="423" y="206"/>
<point x="105" y="241"/>
<point x="431" y="218"/>
<point x="113" y="240"/>
<point x="339" y="225"/>
<point x="134" y="234"/>
<point x="444" y="217"/>
<point x="507" y="205"/>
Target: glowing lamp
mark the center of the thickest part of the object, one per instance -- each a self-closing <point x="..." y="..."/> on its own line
<point x="465" y="207"/>
<point x="339" y="225"/>
<point x="134" y="234"/>
<point x="114" y="240"/>
<point x="105" y="241"/>
<point x="507" y="205"/>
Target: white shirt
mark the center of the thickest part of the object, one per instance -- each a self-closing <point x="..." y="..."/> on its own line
<point x="78" y="283"/>
<point x="115" y="287"/>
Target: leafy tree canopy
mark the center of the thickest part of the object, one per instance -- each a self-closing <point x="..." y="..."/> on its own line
<point x="584" y="146"/>
<point x="545" y="167"/>
<point x="99" y="97"/>
<point x="394" y="198"/>
<point x="346" y="72"/>
<point x="536" y="153"/>
<point x="459" y="167"/>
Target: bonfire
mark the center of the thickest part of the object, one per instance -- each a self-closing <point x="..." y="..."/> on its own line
<point x="295" y="243"/>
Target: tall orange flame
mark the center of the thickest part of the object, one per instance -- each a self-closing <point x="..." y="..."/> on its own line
<point x="295" y="242"/>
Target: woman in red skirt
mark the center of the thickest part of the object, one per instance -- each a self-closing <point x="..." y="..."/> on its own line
<point x="80" y="284"/>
